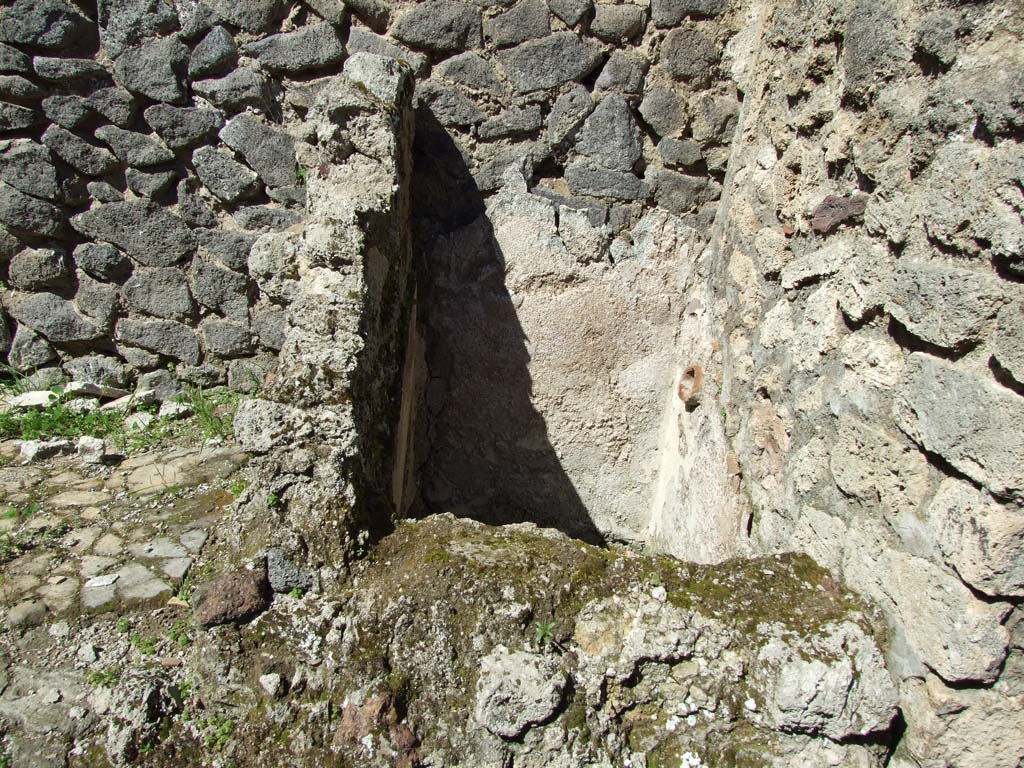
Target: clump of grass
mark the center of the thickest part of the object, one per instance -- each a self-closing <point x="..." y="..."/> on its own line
<point x="180" y="633"/>
<point x="213" y="410"/>
<point x="14" y="545"/>
<point x="57" y="420"/>
<point x="103" y="679"/>
<point x="15" y="512"/>
<point x="144" y="645"/>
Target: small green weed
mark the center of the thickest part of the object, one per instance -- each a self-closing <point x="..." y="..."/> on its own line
<point x="273" y="501"/>
<point x="104" y="679"/>
<point x="219" y="730"/>
<point x="297" y="593"/>
<point x="544" y="633"/>
<point x="302" y="175"/>
<point x="15" y="512"/>
<point x="180" y="633"/>
<point x="124" y="626"/>
<point x="213" y="409"/>
<point x="237" y="486"/>
<point x="144" y="645"/>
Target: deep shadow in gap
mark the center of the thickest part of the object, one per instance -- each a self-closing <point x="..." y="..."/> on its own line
<point x="482" y="449"/>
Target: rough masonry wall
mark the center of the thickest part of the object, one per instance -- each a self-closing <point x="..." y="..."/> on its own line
<point x="865" y="277"/>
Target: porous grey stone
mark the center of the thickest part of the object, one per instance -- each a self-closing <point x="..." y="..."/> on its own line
<point x="159" y="292"/>
<point x="59" y="70"/>
<point x="312" y="47"/>
<point x="289" y="197"/>
<point x="681" y="193"/>
<point x="617" y="23"/>
<point x="271" y="324"/>
<point x="284" y="574"/>
<point x="161" y="383"/>
<point x="265" y="218"/>
<point x="713" y="118"/>
<point x="96" y="300"/>
<point x="135" y="149"/>
<point x="664" y="110"/>
<point x="668" y="13"/>
<point x="78" y="153"/>
<point x="526" y="20"/>
<point x="209" y="374"/>
<point x="103" y="261"/>
<point x="439" y="25"/>
<point x="220" y="289"/>
<point x="249" y="374"/>
<point x="449" y="106"/>
<point x="27" y="166"/>
<point x="873" y="50"/>
<point x="53" y="317"/>
<point x="67" y="111"/>
<point x="623" y="72"/>
<point x="116" y="104"/>
<point x="147" y="232"/>
<point x="567" y="114"/>
<point x="104" y="192"/>
<point x="610" y="135"/>
<point x="224" y="176"/>
<point x="682" y="153"/>
<point x="261" y="425"/>
<point x="164" y="337"/>
<point x="13" y="60"/>
<point x="937" y="35"/>
<point x="689" y="53"/>
<point x="516" y="690"/>
<point x="150" y="184"/>
<point x="268" y="151"/>
<point x="16" y="118"/>
<point x="216" y="53"/>
<point x="18" y="88"/>
<point x="154" y="70"/>
<point x="511" y="122"/>
<point x="29" y="350"/>
<point x="586" y="178"/>
<point x="550" y="61"/>
<point x="943" y="305"/>
<point x="193" y="209"/>
<point x="100" y="370"/>
<point x="252" y="15"/>
<point x="471" y="70"/>
<point x="37" y="268"/>
<point x="48" y="24"/>
<point x="1008" y="341"/>
<point x="182" y="127"/>
<point x="364" y="41"/>
<point x="225" y="338"/>
<point x="230" y="248"/>
<point x="972" y="423"/>
<point x="570" y="11"/>
<point x="23" y="213"/>
<point x="124" y="23"/>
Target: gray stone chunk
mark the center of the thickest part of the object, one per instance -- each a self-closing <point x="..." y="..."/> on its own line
<point x="135" y="149"/>
<point x="517" y="690"/>
<point x="68" y="111"/>
<point x="944" y="306"/>
<point x="13" y="60"/>
<point x="364" y="41"/>
<point x="27" y="166"/>
<point x="586" y="178"/>
<point x="311" y="47"/>
<point x="568" y="113"/>
<point x="972" y="423"/>
<point x="471" y="70"/>
<point x="451" y="107"/>
<point x="44" y="23"/>
<point x="268" y="151"/>
<point x="668" y="13"/>
<point x="162" y="384"/>
<point x="610" y="136"/>
<point x="150" y="184"/>
<point x="336" y="12"/>
<point x="690" y="54"/>
<point x="623" y="72"/>
<point x="550" y="61"/>
<point x="147" y="232"/>
<point x="224" y="176"/>
<point x="96" y="300"/>
<point x="284" y="575"/>
<point x="270" y="323"/>
<point x="237" y="90"/>
<point x="78" y="153"/>
<point x="252" y="15"/>
<point x="58" y="70"/>
<point x="124" y="23"/>
<point x="570" y="11"/>
<point x="15" y="118"/>
<point x="154" y="70"/>
<point x="1008" y="341"/>
<point x="164" y="337"/>
<point x="679" y="153"/>
<point x="713" y="118"/>
<point x="19" y="88"/>
<point x="103" y="261"/>
<point x="617" y="23"/>
<point x="229" y="248"/>
<point x="439" y="25"/>
<point x="193" y="209"/>
<point x="217" y="52"/>
<point x="226" y="339"/>
<point x="116" y="104"/>
<point x="511" y="122"/>
<point x="104" y="192"/>
<point x="35" y="269"/>
<point x="663" y="110"/>
<point x="680" y="193"/>
<point x="23" y="213"/>
<point x="29" y="350"/>
<point x="101" y="370"/>
<point x="53" y="317"/>
<point x="526" y="20"/>
<point x="220" y="289"/>
<point x="160" y="292"/>
<point x="265" y="218"/>
<point x="182" y="127"/>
